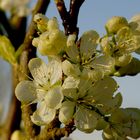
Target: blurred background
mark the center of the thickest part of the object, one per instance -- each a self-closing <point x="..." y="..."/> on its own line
<point x="93" y="15"/>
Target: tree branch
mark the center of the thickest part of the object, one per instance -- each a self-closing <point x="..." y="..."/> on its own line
<point x="69" y="18"/>
<point x="64" y="15"/>
<point x="52" y="132"/>
<point x="74" y="12"/>
<point x="14" y="117"/>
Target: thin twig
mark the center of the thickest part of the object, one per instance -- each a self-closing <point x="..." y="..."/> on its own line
<point x="64" y="15"/>
<point x="74" y="12"/>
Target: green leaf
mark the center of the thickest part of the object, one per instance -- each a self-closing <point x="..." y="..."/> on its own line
<point x="131" y="69"/>
<point x="7" y="51"/>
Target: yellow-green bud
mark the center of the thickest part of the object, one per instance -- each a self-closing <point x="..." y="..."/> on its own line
<point x="17" y="135"/>
<point x="115" y="23"/>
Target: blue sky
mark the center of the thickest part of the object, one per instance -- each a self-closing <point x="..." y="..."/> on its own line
<point x="93" y="15"/>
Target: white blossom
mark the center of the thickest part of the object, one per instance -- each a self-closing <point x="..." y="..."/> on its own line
<point x="84" y="54"/>
<point x="45" y="90"/>
<point x="83" y="96"/>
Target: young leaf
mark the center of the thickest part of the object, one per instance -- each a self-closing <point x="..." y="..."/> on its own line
<point x="7" y="51"/>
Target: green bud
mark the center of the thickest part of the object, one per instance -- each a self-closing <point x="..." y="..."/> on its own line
<point x="115" y="23"/>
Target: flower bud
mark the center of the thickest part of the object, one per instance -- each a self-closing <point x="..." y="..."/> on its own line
<point x="115" y="23"/>
<point x="53" y="24"/>
<point x="17" y="135"/>
<point x="41" y="21"/>
<point x="135" y="22"/>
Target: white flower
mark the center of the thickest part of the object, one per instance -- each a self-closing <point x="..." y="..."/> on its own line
<point x="84" y="54"/>
<point x="73" y="72"/>
<point x="121" y="46"/>
<point x="45" y="90"/>
<point x="84" y="97"/>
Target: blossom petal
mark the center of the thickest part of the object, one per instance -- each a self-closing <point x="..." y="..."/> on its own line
<point x="135" y="22"/>
<point x="54" y="98"/>
<point x="42" y="119"/>
<point x="71" y="82"/>
<point x="45" y="74"/>
<point x="55" y="69"/>
<point x="70" y="69"/>
<point x="43" y="114"/>
<point x="73" y="53"/>
<point x="109" y="105"/>
<point x="123" y="60"/>
<point x="103" y="88"/>
<point x="86" y="120"/>
<point x="66" y="111"/>
<point x="70" y="93"/>
<point x="39" y="71"/>
<point x="93" y="75"/>
<point x="88" y="44"/>
<point x="84" y="87"/>
<point x="26" y="91"/>
<point x="104" y="63"/>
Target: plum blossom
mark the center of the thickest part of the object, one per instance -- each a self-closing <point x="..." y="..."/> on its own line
<point x="123" y="41"/>
<point x="84" y="53"/>
<point x="45" y="90"/>
<point x="83" y="98"/>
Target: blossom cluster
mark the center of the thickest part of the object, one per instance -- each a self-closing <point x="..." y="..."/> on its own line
<point x="77" y="84"/>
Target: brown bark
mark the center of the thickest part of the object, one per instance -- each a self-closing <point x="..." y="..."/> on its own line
<point x="69" y="18"/>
